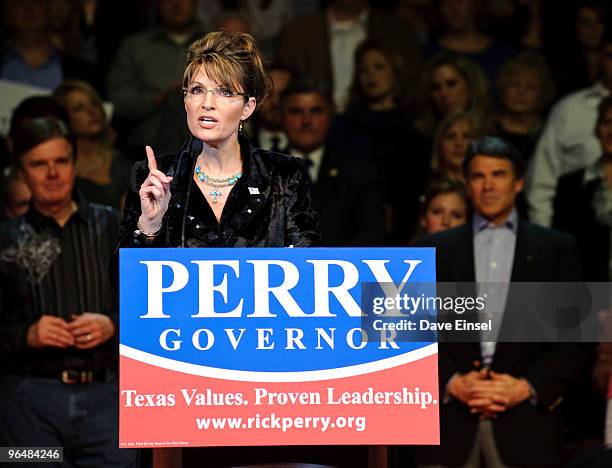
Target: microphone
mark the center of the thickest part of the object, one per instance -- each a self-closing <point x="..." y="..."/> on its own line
<point x="194" y="149"/>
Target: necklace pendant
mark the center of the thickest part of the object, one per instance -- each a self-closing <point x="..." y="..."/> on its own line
<point x="215" y="194"/>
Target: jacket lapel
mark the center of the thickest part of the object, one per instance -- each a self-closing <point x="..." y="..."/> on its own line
<point x="462" y="256"/>
<point x="460" y="263"/>
<point x="523" y="269"/>
<point x="329" y="173"/>
<point x="524" y="254"/>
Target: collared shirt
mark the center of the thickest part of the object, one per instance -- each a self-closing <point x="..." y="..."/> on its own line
<point x="493" y="258"/>
<point x="315" y="157"/>
<point x="47" y="75"/>
<point x="344" y="37"/>
<point x="568" y="143"/>
<point x="46" y="269"/>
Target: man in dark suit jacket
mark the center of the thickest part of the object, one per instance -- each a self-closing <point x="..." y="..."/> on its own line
<point x="306" y="43"/>
<point x="345" y="189"/>
<point x="499" y="401"/>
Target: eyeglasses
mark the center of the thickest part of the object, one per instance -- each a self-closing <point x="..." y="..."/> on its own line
<point x="199" y="92"/>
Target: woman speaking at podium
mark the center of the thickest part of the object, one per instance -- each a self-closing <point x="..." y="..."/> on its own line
<point x="219" y="191"/>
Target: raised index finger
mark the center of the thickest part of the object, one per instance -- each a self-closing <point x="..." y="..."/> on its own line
<point x="151" y="158"/>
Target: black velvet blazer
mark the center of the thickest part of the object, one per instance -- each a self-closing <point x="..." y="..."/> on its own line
<point x="268" y="207"/>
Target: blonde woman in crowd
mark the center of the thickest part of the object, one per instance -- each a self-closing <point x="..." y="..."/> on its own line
<point x="102" y="173"/>
<point x="454" y="135"/>
<point x="526" y="89"/>
<point x="452" y="83"/>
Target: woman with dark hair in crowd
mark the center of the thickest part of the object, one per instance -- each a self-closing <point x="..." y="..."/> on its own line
<point x="459" y="32"/>
<point x="377" y="126"/>
<point x="378" y="79"/>
<point x="102" y="173"/>
<point x="445" y="204"/>
<point x="452" y="83"/>
<point x="454" y="135"/>
<point x="526" y="88"/>
<point x="377" y="106"/>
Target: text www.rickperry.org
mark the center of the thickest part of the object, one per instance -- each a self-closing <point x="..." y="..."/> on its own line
<point x="284" y="423"/>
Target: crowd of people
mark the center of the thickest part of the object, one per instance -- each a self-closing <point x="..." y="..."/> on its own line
<point x="480" y="127"/>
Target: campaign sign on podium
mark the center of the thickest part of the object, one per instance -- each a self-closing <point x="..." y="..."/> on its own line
<point x="222" y="347"/>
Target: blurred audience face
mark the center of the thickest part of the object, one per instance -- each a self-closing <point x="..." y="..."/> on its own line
<point x="58" y="13"/>
<point x="522" y="93"/>
<point x="589" y="28"/>
<point x="604" y="132"/>
<point x="26" y="16"/>
<point x="306" y="120"/>
<point x="269" y="111"/>
<point x="213" y="118"/>
<point x="493" y="187"/>
<point x="18" y="197"/>
<point x="177" y="15"/>
<point x="48" y="170"/>
<point x="376" y="76"/>
<point x="85" y="114"/>
<point x="454" y="144"/>
<point x="450" y="92"/>
<point x="445" y="211"/>
<point x="458" y="15"/>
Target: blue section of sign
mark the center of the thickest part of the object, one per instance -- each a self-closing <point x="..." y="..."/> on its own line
<point x="303" y="326"/>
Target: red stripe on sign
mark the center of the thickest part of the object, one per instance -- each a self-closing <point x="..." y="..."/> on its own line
<point x="165" y="408"/>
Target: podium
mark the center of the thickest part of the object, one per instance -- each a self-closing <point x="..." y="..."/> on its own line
<point x="278" y="353"/>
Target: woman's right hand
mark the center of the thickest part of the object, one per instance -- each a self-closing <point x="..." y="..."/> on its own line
<point x="154" y="196"/>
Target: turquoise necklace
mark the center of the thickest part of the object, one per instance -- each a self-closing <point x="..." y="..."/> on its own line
<point x="216" y="183"/>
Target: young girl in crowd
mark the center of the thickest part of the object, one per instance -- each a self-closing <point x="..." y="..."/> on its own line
<point x="444" y="205"/>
